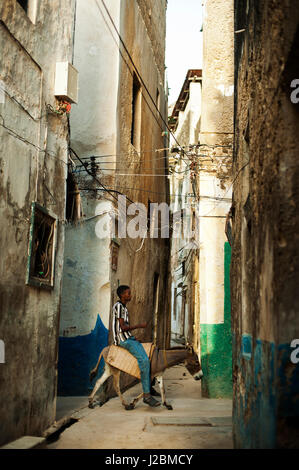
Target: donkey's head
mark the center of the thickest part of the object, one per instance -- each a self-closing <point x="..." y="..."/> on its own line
<point x="192" y="363"/>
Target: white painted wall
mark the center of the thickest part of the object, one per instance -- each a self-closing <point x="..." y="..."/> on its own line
<point x="93" y="120"/>
<point x="212" y="238"/>
<point x="186" y="134"/>
<point x="216" y="129"/>
<point x="86" y="282"/>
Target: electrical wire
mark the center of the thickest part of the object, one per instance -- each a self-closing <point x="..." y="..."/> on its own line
<point x="115" y="174"/>
<point x="109" y="191"/>
<point x="129" y="153"/>
<point x="99" y="170"/>
<point x="134" y="189"/>
<point x="21" y="106"/>
<point x="94" y="177"/>
<point x="141" y="79"/>
<point x="223" y="197"/>
<point x="14" y="134"/>
<point x="161" y="150"/>
<point x="219" y="199"/>
<point x="124" y="163"/>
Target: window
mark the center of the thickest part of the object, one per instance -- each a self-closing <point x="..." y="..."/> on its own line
<point x="24" y="4"/>
<point x="73" y="200"/>
<point x="30" y="7"/>
<point x="158" y="99"/>
<point x="183" y="313"/>
<point x="2" y="352"/>
<point x="175" y="302"/>
<point x="156" y="306"/>
<point x="114" y="255"/>
<point x="183" y="218"/>
<point x="42" y="241"/>
<point x="149" y="202"/>
<point x="136" y="113"/>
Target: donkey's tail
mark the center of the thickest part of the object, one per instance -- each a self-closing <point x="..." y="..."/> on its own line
<point x="94" y="371"/>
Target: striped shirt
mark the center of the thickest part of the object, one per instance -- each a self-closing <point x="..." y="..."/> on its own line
<point x="119" y="311"/>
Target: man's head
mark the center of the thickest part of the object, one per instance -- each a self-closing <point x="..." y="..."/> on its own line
<point x="124" y="293"/>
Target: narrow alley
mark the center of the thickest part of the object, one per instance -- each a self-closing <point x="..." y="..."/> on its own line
<point x="194" y="422"/>
<point x="149" y="225"/>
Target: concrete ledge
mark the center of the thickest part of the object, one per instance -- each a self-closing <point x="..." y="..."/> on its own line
<point x="180" y="421"/>
<point x="58" y="426"/>
<point x="192" y="421"/>
<point x="26" y="442"/>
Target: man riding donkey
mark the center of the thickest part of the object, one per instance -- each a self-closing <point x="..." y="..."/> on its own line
<point x="122" y="337"/>
<point x="160" y="359"/>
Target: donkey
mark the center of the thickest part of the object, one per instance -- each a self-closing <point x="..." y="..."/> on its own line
<point x="161" y="360"/>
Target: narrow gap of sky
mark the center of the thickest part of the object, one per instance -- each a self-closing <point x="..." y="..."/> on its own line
<point x="183" y="42"/>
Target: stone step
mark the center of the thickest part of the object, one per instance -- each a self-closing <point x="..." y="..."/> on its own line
<point x="26" y="442"/>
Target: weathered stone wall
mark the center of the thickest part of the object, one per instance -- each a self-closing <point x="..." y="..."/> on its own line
<point x="143" y="39"/>
<point x="154" y="16"/>
<point x="33" y="152"/>
<point x="265" y="259"/>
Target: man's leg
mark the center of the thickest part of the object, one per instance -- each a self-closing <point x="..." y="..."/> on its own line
<point x="137" y="350"/>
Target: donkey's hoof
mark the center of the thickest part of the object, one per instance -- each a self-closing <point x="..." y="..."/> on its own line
<point x="130" y="406"/>
<point x="169" y="407"/>
<point x="91" y="404"/>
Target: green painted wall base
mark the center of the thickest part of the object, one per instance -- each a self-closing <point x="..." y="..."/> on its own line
<point x="216" y="346"/>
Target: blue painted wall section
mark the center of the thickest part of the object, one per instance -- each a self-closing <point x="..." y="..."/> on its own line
<point x="254" y="404"/>
<point x="76" y="357"/>
<point x="267" y="389"/>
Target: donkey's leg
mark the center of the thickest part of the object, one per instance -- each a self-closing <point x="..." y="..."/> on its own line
<point x="116" y="375"/>
<point x="128" y="406"/>
<point x="162" y="389"/>
<point x="136" y="400"/>
<point x="99" y="382"/>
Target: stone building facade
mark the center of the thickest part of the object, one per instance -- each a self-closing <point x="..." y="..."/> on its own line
<point x="184" y="123"/>
<point x="265" y="218"/>
<point x="204" y="127"/>
<point x="33" y="159"/>
<point x="117" y="131"/>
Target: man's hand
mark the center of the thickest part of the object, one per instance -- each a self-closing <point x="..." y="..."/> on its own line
<point x="140" y="338"/>
<point x="126" y="327"/>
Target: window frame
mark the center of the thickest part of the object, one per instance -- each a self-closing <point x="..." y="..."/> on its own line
<point x="31" y="9"/>
<point x="31" y="280"/>
<point x="136" y="113"/>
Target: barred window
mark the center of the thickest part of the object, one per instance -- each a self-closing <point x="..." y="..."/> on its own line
<point x="42" y="241"/>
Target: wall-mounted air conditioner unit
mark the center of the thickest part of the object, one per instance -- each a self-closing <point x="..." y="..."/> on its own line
<point x="66" y="82"/>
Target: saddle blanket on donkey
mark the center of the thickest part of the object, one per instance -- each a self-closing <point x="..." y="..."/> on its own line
<point x="123" y="360"/>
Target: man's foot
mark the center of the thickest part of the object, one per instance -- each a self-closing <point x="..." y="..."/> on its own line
<point x="154" y="393"/>
<point x="149" y="400"/>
